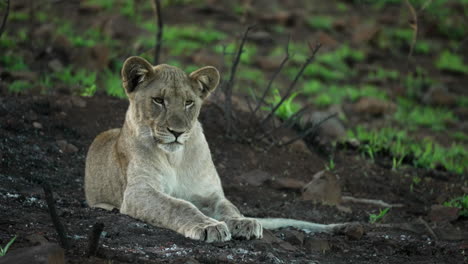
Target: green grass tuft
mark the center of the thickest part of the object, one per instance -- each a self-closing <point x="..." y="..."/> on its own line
<point x="459" y="202"/>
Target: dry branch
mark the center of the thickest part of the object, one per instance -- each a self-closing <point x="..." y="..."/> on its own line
<point x="292" y="85"/>
<point x="5" y="17"/>
<point x="273" y="77"/>
<point x="414" y="26"/>
<point x="429" y="229"/>
<point x="94" y="236"/>
<point x="159" y="34"/>
<point x="230" y="83"/>
<point x="379" y="203"/>
<point x="53" y="214"/>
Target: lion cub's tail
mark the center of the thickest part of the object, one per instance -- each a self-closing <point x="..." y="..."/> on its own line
<point x="309" y="227"/>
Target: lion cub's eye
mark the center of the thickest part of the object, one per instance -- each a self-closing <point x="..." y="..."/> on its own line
<point x="188" y="103"/>
<point x="158" y="100"/>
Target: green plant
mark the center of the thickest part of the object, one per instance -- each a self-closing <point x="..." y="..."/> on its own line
<point x="374" y="218"/>
<point x="18" y="16"/>
<point x="414" y="181"/>
<point x="459" y="202"/>
<point x="19" y="86"/>
<point x="4" y="250"/>
<point x="451" y="62"/>
<point x="462" y="101"/>
<point x="331" y="165"/>
<point x="320" y="22"/>
<point x="382" y="74"/>
<point x="13" y="63"/>
<point x="423" y="154"/>
<point x="82" y="79"/>
<point x="413" y="115"/>
<point x="113" y="85"/>
<point x="230" y="49"/>
<point x="287" y="108"/>
<point x="335" y="94"/>
<point x="6" y="41"/>
<point x="416" y="83"/>
<point x="181" y="39"/>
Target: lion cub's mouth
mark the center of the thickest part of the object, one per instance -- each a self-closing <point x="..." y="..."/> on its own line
<point x="170" y="147"/>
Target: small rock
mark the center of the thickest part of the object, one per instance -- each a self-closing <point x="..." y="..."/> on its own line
<point x="99" y="57"/>
<point x="31" y="116"/>
<point x="42" y="254"/>
<point x="36" y="239"/>
<point x="261" y="37"/>
<point x="24" y="75"/>
<point x="354" y="231"/>
<point x="89" y="8"/>
<point x="439" y="96"/>
<point x="462" y="112"/>
<point x="440" y="213"/>
<point x="312" y="245"/>
<point x="364" y="33"/>
<point x="269" y="237"/>
<point x="326" y="40"/>
<point x="255" y="177"/>
<point x="299" y="146"/>
<point x="294" y="237"/>
<point x="287" y="246"/>
<point x="207" y="58"/>
<point x="324" y="188"/>
<point x="37" y="125"/>
<point x="268" y="63"/>
<point x="288" y="184"/>
<point x="373" y="106"/>
<point x="283" y="18"/>
<point x="332" y="128"/>
<point x="78" y="101"/>
<point x="66" y="147"/>
<point x="344" y="209"/>
<point x="451" y="233"/>
<point x="55" y="65"/>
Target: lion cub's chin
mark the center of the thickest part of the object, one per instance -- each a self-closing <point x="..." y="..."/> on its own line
<point x="171" y="147"/>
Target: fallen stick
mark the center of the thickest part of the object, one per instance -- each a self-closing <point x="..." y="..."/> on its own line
<point x="433" y="234"/>
<point x="379" y="203"/>
<point x="94" y="237"/>
<point x="49" y="197"/>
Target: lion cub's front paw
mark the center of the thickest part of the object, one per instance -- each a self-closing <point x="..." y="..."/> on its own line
<point x="209" y="232"/>
<point x="245" y="228"/>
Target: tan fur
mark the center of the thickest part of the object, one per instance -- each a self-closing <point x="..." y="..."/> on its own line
<point x="147" y="172"/>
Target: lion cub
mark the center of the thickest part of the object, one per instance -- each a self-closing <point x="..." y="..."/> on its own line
<point x="158" y="166"/>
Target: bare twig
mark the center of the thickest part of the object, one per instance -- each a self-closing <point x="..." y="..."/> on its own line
<point x="94" y="236"/>
<point x="414" y="26"/>
<point x="159" y="21"/>
<point x="311" y="130"/>
<point x="292" y="85"/>
<point x="5" y="17"/>
<point x="230" y="83"/>
<point x="429" y="229"/>
<point x="53" y="214"/>
<point x="378" y="203"/>
<point x="273" y="77"/>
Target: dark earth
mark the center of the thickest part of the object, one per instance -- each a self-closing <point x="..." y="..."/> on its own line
<point x="30" y="151"/>
<point x="45" y="133"/>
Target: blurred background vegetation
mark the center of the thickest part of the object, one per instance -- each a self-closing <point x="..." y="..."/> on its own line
<point x="395" y="70"/>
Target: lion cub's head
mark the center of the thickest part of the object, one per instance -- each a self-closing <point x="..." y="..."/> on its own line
<point x="164" y="101"/>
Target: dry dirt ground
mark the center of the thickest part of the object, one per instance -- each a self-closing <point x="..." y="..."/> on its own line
<point x="46" y="138"/>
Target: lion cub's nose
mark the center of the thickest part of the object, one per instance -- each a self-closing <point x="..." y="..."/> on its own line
<point x="175" y="133"/>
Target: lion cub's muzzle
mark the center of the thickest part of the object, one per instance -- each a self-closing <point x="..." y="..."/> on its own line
<point x="171" y="140"/>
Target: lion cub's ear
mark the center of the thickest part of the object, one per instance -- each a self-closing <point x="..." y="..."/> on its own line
<point x="134" y="71"/>
<point x="206" y="79"/>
